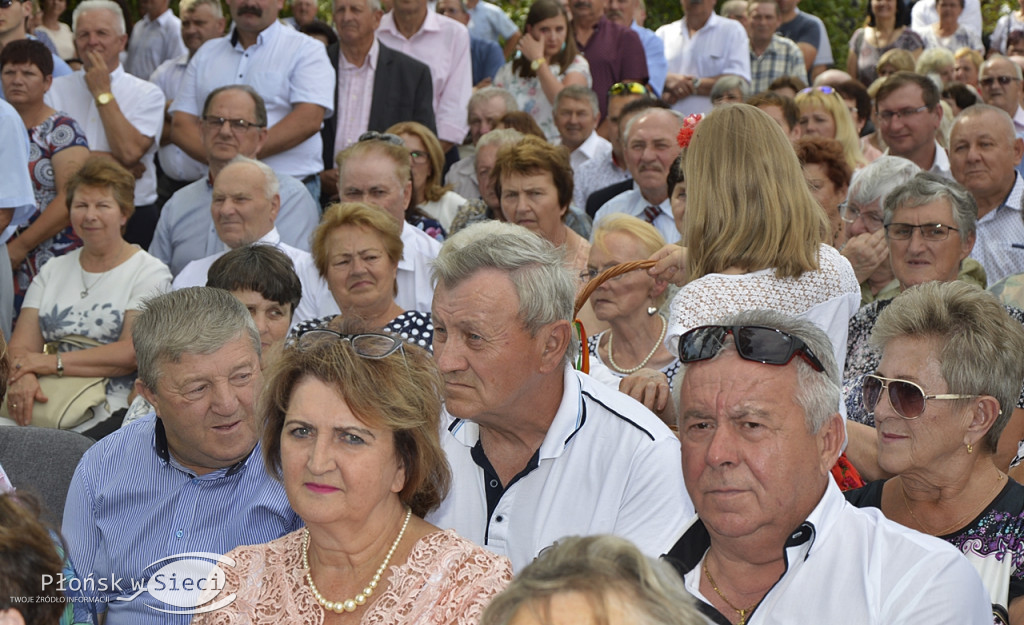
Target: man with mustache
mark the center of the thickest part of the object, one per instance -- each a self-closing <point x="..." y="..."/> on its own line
<point x="288" y="69"/>
<point x="649" y="146"/>
<point x="538" y="451"/>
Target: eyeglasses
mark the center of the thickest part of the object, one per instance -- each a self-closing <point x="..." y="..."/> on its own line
<point x="371" y="345"/>
<point x="929" y="232"/>
<point x="851" y="212"/>
<point x="418" y="156"/>
<point x="623" y="88"/>
<point x="906" y="398"/>
<point x="386" y="137"/>
<point x="237" y="125"/>
<point x="756" y="343"/>
<point x="988" y="81"/>
<point x="886" y="117"/>
<point x="591" y="273"/>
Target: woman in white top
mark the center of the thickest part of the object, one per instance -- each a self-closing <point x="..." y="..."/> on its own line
<point x="546" y="62"/>
<point x="95" y="291"/>
<point x="755" y="237"/>
<point x="58" y="32"/>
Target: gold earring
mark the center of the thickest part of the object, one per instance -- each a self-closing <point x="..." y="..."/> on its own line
<point x="970" y="448"/>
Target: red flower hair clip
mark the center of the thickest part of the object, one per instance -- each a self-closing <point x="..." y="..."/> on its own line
<point x="686" y="132"/>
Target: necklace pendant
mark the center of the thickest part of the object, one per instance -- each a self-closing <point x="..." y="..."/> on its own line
<point x="84" y="293"/>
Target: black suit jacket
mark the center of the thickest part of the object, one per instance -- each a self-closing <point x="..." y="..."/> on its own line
<point x="599" y="198"/>
<point x="402" y="91"/>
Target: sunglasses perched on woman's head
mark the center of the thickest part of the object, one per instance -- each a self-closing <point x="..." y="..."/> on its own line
<point x="756" y="343"/>
<point x="906" y="398"/>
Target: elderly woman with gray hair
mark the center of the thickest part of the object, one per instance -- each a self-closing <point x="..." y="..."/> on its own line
<point x="950" y="369"/>
<point x="930" y="227"/>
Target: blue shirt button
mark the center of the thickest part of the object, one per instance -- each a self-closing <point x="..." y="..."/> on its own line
<point x="179" y="533"/>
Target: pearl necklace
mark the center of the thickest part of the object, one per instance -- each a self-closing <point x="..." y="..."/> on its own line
<point x="657" y="344"/>
<point x="349" y="605"/>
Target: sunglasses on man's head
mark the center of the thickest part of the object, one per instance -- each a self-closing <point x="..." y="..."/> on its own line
<point x="906" y="398"/>
<point x="756" y="343"/>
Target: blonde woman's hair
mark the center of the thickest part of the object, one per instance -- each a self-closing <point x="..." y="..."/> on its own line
<point x="846" y="130"/>
<point x="434" y="190"/>
<point x="748" y="204"/>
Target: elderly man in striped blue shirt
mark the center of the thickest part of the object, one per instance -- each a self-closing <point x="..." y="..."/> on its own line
<point x="152" y="507"/>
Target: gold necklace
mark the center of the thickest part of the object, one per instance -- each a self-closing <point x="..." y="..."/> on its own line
<point x="349" y="605"/>
<point x="959" y="522"/>
<point x="657" y="344"/>
<point x="744" y="613"/>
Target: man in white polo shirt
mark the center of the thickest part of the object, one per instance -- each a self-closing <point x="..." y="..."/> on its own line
<point x="538" y="451"/>
<point x="774" y="540"/>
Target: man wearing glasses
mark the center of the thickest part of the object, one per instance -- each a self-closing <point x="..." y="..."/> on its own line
<point x="908" y="113"/>
<point x="759" y="431"/>
<point x="234" y="122"/>
<point x="1000" y="82"/>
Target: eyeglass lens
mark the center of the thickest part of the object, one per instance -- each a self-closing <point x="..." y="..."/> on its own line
<point x="906" y="398"/>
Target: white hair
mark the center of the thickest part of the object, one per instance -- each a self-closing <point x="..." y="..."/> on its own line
<point x="96" y="5"/>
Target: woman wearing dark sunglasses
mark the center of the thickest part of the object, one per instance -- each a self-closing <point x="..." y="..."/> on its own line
<point x="929" y="224"/>
<point x="351" y="430"/>
<point x="951" y="369"/>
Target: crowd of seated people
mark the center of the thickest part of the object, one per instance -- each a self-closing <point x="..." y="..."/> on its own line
<point x="303" y="280"/>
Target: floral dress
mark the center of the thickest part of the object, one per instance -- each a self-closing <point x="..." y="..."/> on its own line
<point x="530" y="96"/>
<point x="868" y="54"/>
<point x="56" y="133"/>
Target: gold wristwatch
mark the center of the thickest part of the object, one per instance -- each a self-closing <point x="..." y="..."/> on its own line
<point x="535" y="65"/>
<point x="104" y="98"/>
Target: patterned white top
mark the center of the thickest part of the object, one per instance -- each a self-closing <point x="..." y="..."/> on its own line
<point x="57" y="294"/>
<point x="828" y="297"/>
<point x="530" y="96"/>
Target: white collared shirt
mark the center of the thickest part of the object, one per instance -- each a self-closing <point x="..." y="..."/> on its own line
<point x="721" y="46"/>
<point x="284" y="66"/>
<point x="607" y="466"/>
<point x="997" y="231"/>
<point x="852" y="565"/>
<point x="142" y="104"/>
<point x="443" y="44"/>
<point x="940" y="163"/>
<point x="316" y="301"/>
<point x="595" y="148"/>
<point x="415" y="290"/>
<point x="153" y="42"/>
<point x="633" y="203"/>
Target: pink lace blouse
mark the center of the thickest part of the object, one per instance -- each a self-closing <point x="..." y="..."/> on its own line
<point x="445" y="580"/>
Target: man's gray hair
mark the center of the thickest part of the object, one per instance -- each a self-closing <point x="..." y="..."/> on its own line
<point x="271" y="185"/>
<point x="197" y="320"/>
<point x="645" y="113"/>
<point x="879" y="178"/>
<point x="727" y="83"/>
<point x="191" y="5"/>
<point x="818" y="392"/>
<point x="544" y="284"/>
<point x="925" y="188"/>
<point x="485" y="94"/>
<point x="96" y="5"/>
<point x="580" y="93"/>
<point x="259" y="104"/>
